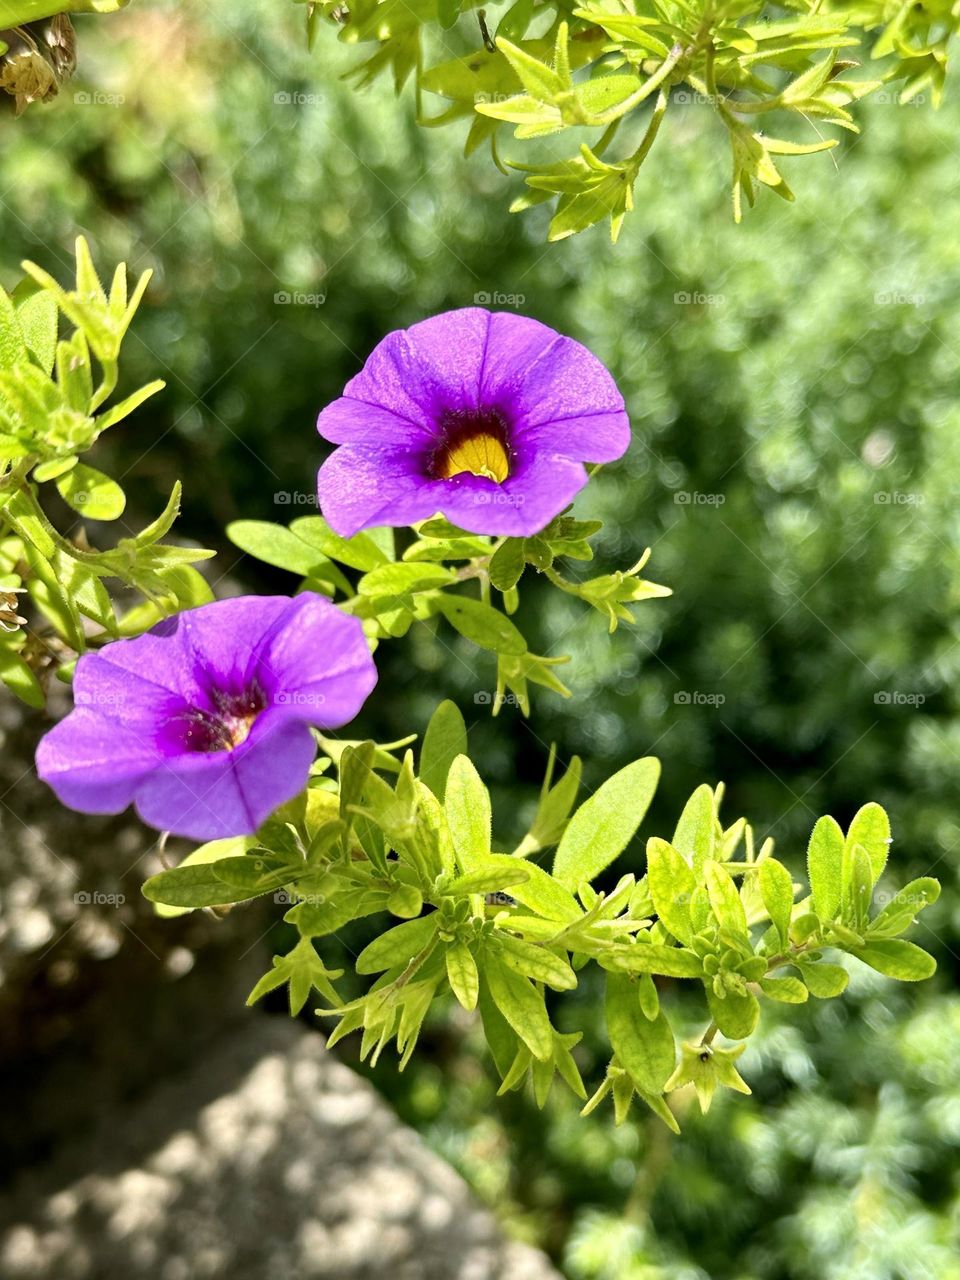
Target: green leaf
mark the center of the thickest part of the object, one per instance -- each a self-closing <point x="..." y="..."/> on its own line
<point x="825" y="867"/>
<point x="123" y="408"/>
<point x="37" y="316"/>
<point x="205" y="885"/>
<point x="857" y="887"/>
<point x="482" y="624"/>
<point x="364" y="551"/>
<point x="399" y="582"/>
<point x="736" y="1015"/>
<point x="303" y="969"/>
<point x="212" y="851"/>
<point x="536" y="963"/>
<point x="695" y="835"/>
<point x="645" y="1047"/>
<point x="897" y="959"/>
<point x="651" y="957"/>
<point x="468" y="812"/>
<point x="13" y="349"/>
<point x="786" y="990"/>
<point x="539" y="80"/>
<point x="603" y="826"/>
<point x="501" y="1039"/>
<point x="554" y="808"/>
<point x="776" y="889"/>
<point x="825" y="981"/>
<point x="507" y="564"/>
<point x="462" y="974"/>
<point x="273" y="544"/>
<point x="405" y="901"/>
<point x="19" y="678"/>
<point x="671" y="883"/>
<point x="725" y="898"/>
<point x="91" y="493"/>
<point x="903" y="908"/>
<point x="398" y="945"/>
<point x="870" y="828"/>
<point x="521" y="1005"/>
<point x="444" y="740"/>
<point x="496" y="872"/>
<point x="541" y="893"/>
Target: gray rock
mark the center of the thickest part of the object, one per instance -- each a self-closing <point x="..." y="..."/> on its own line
<point x="267" y="1159"/>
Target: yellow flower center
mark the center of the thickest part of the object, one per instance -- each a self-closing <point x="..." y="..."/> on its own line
<point x="480" y="455"/>
<point x="476" y="443"/>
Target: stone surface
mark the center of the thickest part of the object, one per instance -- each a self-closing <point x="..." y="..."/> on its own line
<point x="98" y="997"/>
<point x="268" y="1159"/>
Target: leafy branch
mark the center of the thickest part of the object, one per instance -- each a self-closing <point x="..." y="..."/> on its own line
<point x="497" y="931"/>
<point x="422" y="585"/>
<point x="54" y="391"/>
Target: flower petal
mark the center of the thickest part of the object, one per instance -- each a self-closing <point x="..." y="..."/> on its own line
<point x="594" y="437"/>
<point x="539" y="489"/>
<point x="568" y="383"/>
<point x="317" y="666"/>
<point x="350" y="420"/>
<point x="94" y="763"/>
<point x="362" y="487"/>
<point x="450" y="349"/>
<point x="514" y="343"/>
<point x="209" y="796"/>
<point x="221" y="641"/>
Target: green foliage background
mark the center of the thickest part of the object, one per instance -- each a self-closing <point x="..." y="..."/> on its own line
<point x="806" y="391"/>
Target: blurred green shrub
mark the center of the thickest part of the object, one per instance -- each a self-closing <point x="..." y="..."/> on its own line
<point x="802" y="367"/>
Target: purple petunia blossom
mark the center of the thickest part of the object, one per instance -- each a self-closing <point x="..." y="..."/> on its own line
<point x="203" y="722"/>
<point x="484" y="417"/>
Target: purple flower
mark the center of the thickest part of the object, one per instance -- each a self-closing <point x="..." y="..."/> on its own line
<point x="203" y="722"/>
<point x="484" y="417"/>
